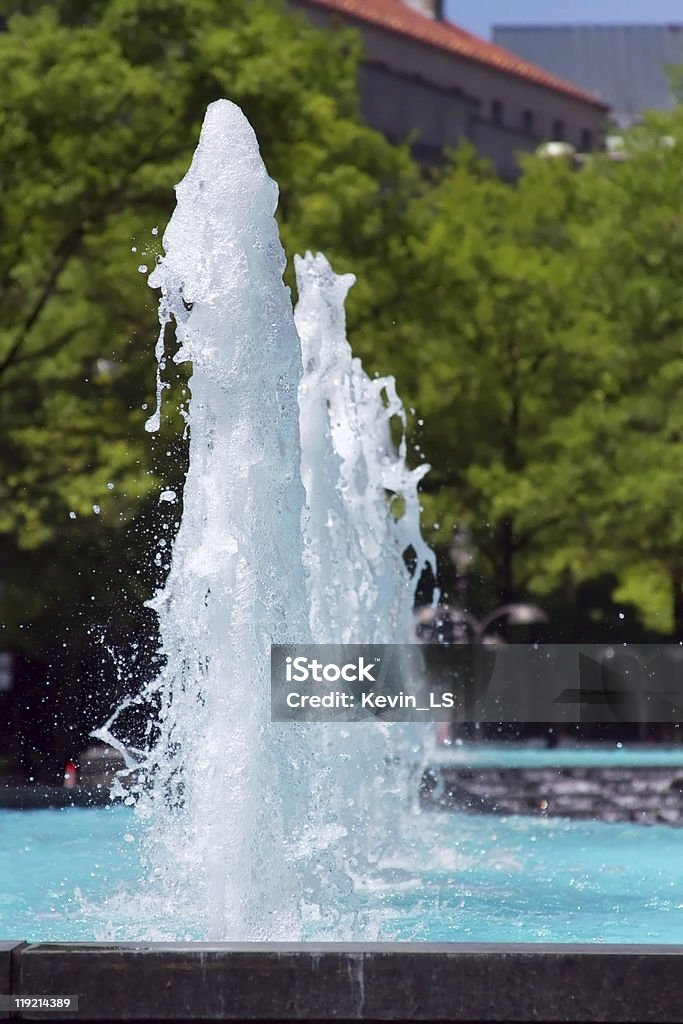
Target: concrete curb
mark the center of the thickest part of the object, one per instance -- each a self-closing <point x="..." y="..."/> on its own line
<point x="467" y="984"/>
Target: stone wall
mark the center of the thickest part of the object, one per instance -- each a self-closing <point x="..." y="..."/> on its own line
<point x="645" y="795"/>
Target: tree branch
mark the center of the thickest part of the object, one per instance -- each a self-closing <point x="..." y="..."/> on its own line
<point x="65" y="251"/>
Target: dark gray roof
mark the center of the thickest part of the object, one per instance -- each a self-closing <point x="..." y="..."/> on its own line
<point x="625" y="65"/>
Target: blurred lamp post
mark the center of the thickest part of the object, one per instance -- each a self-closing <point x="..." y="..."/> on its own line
<point x="514" y="614"/>
<point x="462" y="554"/>
<point x="448" y="625"/>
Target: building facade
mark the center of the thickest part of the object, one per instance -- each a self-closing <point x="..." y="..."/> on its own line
<point x="625" y="65"/>
<point x="425" y="77"/>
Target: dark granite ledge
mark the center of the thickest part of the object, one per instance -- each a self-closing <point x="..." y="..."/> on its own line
<point x="465" y="984"/>
<point x="6" y="976"/>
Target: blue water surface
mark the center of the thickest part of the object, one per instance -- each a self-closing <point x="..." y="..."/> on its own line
<point x="451" y="878"/>
<point x="57" y="865"/>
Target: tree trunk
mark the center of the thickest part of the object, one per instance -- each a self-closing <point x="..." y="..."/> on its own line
<point x="677" y="598"/>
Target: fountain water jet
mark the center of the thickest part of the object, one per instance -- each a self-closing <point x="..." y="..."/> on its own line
<point x="256" y="828"/>
<point x="361" y="520"/>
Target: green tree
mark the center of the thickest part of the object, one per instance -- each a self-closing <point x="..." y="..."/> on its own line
<point x="500" y="358"/>
<point x="550" y="371"/>
<point x="621" y="451"/>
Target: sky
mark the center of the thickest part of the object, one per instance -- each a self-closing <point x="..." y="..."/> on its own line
<point x="479" y="15"/>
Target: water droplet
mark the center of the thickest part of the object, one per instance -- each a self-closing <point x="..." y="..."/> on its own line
<point x="96" y="509"/>
<point x="142" y="269"/>
<point x="155" y="231"/>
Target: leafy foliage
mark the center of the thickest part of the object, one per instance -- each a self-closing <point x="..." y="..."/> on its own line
<point x="551" y="372"/>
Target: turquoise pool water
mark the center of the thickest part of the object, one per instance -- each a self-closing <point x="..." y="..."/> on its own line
<point x="531" y="755"/>
<point x="56" y="866"/>
<point x="454" y="878"/>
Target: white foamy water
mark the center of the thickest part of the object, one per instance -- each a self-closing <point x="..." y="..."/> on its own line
<point x="363" y="511"/>
<point x="298" y="512"/>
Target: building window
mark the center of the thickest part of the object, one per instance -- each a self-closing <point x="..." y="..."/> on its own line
<point x="496" y="112"/>
<point x="558" y="130"/>
<point x="528" y="122"/>
<point x="586" y="141"/>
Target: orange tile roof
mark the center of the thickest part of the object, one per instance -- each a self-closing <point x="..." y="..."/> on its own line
<point x="396" y="16"/>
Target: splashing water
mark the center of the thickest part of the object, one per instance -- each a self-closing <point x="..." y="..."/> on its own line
<point x="362" y="590"/>
<point x="287" y="536"/>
